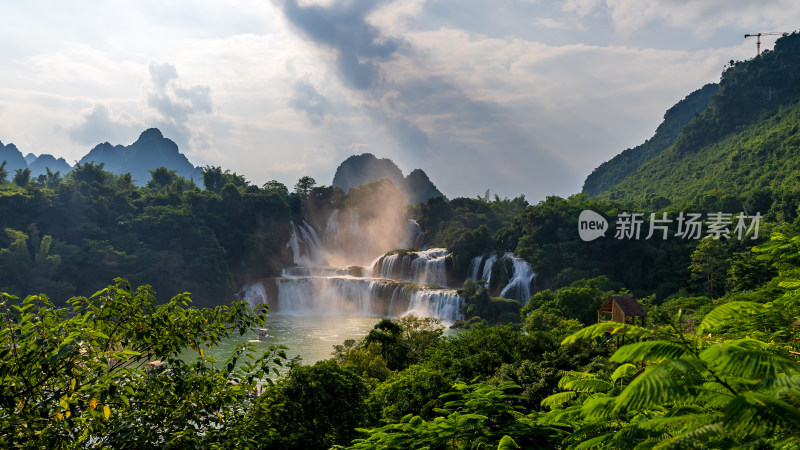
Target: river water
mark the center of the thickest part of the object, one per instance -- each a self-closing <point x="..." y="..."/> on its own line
<point x="310" y="337"/>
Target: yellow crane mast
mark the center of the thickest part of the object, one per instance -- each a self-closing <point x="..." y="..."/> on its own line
<point x="758" y="38"/>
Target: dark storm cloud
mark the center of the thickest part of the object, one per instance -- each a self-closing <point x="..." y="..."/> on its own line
<point x="343" y="28"/>
<point x="306" y="99"/>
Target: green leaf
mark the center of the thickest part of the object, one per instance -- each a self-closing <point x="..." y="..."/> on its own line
<point x="600" y="330"/>
<point x="624" y="370"/>
<point x="735" y="361"/>
<point x="693" y="438"/>
<point x="560" y="399"/>
<point x="649" y="351"/>
<point x="589" y="385"/>
<point x="725" y="312"/>
<point x="670" y="381"/>
<point x="506" y="443"/>
<point x="753" y="411"/>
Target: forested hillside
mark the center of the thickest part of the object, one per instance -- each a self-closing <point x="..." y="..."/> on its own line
<point x="745" y="144"/>
<point x="617" y="168"/>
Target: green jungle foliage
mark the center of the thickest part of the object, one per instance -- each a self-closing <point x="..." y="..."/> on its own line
<point x="757" y="162"/>
<point x="72" y="235"/>
<point x="617" y="168"/>
<point x="546" y="235"/>
<point x="77" y="377"/>
<point x="706" y="372"/>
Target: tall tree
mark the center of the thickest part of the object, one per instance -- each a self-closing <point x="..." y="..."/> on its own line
<point x="161" y="178"/>
<point x="22" y="177"/>
<point x="304" y="186"/>
<point x="276" y="187"/>
<point x="213" y="178"/>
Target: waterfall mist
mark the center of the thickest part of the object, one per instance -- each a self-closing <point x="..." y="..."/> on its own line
<point x="374" y="222"/>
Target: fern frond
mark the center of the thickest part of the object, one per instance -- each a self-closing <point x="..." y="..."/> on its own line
<point x="591" y="430"/>
<point x="632" y="433"/>
<point x="791" y="442"/>
<point x="597" y="442"/>
<point x="680" y="422"/>
<point x="788" y="382"/>
<point x="598" y="409"/>
<point x="567" y="417"/>
<point x="684" y="410"/>
<point x="573" y="374"/>
<point x="670" y="381"/>
<point x="751" y="411"/>
<point x="725" y="312"/>
<point x="600" y="330"/>
<point x="714" y="395"/>
<point x="649" y="351"/>
<point x="693" y="438"/>
<point x="589" y="385"/>
<point x="557" y="400"/>
<point x="716" y="350"/>
<point x="752" y="364"/>
<point x="625" y="370"/>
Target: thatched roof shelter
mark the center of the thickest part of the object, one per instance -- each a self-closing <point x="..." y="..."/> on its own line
<point x="622" y="309"/>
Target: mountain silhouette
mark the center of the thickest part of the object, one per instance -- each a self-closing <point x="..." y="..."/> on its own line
<point x="151" y="151"/>
<point x="359" y="170"/>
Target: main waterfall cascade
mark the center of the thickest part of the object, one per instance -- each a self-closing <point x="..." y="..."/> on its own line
<point x="424" y="267"/>
<point x="397" y="283"/>
<point x="312" y="287"/>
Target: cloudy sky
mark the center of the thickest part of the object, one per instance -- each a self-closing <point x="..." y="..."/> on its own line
<point x="515" y="96"/>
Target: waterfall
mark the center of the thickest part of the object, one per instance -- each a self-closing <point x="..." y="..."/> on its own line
<point x="443" y="304"/>
<point x="415" y="237"/>
<point x="397" y="284"/>
<point x="474" y="267"/>
<point x="338" y="295"/>
<point x="294" y="244"/>
<point x="254" y="293"/>
<point x="424" y="267"/>
<point x="519" y="283"/>
<point x="305" y="244"/>
<point x="519" y="286"/>
<point x="487" y="268"/>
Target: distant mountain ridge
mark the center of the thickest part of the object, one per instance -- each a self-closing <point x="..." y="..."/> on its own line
<point x="38" y="165"/>
<point x="150" y="151"/>
<point x="358" y="170"/>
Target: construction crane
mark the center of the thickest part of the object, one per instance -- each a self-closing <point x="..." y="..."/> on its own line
<point x="758" y="38"/>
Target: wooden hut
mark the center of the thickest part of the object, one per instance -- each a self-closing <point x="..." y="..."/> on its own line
<point x="622" y="309"/>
